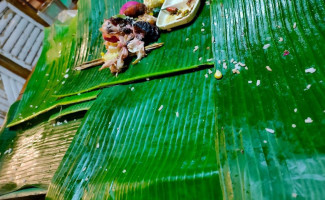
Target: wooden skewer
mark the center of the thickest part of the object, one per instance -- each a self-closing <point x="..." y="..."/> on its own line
<point x="89" y="64"/>
<point x="101" y="61"/>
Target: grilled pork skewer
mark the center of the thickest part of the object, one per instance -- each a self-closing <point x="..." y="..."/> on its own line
<point x="101" y="61"/>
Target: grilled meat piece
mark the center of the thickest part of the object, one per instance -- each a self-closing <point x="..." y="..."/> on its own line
<point x="150" y="33"/>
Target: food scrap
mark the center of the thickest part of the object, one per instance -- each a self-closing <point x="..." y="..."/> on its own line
<point x="307" y="87"/>
<point x="172" y="10"/>
<point x="269" y="130"/>
<point x="160" y="108"/>
<point x="195" y="48"/>
<point x="235" y="71"/>
<point x="127" y="34"/>
<point x="286" y="52"/>
<point x="308" y="120"/>
<point x="218" y="75"/>
<point x="310" y="70"/>
<point x="266" y="46"/>
<point x="152" y="4"/>
<point x="224" y="65"/>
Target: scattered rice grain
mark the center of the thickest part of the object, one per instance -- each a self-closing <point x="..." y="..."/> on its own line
<point x="225" y="65"/>
<point x="242" y="64"/>
<point x="196" y="48"/>
<point x="269" y="130"/>
<point x="266" y="46"/>
<point x="308" y="120"/>
<point x="310" y="70"/>
<point x="308" y="87"/>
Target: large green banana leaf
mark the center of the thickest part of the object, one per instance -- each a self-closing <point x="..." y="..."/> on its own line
<point x="176" y="55"/>
<point x="269" y="125"/>
<point x="255" y="162"/>
<point x="30" y="154"/>
<point x="151" y="140"/>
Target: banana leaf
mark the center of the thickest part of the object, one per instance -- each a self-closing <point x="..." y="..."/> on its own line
<point x="270" y="136"/>
<point x="176" y="55"/>
<point x="24" y="114"/>
<point x="151" y="140"/>
<point x="71" y="109"/>
<point x="31" y="153"/>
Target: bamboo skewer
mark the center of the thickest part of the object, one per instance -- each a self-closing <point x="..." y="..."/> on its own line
<point x="101" y="61"/>
<point x="89" y="64"/>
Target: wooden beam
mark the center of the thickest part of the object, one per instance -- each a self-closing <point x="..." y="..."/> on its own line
<point x="14" y="67"/>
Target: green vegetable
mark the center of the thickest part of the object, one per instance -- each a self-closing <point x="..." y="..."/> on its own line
<point x="156" y="11"/>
